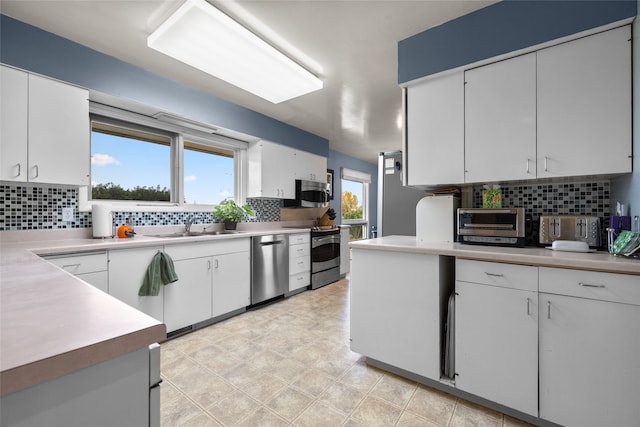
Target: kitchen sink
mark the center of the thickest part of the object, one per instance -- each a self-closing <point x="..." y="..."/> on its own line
<point x="195" y="233"/>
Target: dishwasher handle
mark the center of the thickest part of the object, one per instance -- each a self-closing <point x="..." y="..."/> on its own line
<point x="275" y="242"/>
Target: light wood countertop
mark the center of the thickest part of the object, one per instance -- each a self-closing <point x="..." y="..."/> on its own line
<point x="592" y="261"/>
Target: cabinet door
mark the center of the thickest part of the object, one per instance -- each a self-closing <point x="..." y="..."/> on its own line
<point x="59" y="130"/>
<point x="395" y="309"/>
<point x="584" y="106"/>
<point x="97" y="279"/>
<point x="500" y="120"/>
<point x="231" y="282"/>
<point x="188" y="300"/>
<point x="435" y="131"/>
<point x="496" y="344"/>
<point x="271" y="170"/>
<point x="13" y="131"/>
<point x="127" y="268"/>
<point x="589" y="362"/>
<point x="309" y="166"/>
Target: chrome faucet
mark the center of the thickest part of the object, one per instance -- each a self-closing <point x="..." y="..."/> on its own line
<point x="187" y="224"/>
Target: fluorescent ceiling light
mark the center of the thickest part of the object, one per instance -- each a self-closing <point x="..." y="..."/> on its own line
<point x="203" y="37"/>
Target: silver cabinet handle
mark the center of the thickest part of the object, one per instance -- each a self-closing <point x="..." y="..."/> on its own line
<point x="208" y="264"/>
<point x="545" y="164"/>
<point x="215" y="264"/>
<point x="588" y="285"/>
<point x="528" y="307"/>
<point x="548" y="309"/>
<point x="494" y="274"/>
<point x="36" y="170"/>
<point x="527" y="166"/>
<point x="71" y="265"/>
<point x="19" y="166"/>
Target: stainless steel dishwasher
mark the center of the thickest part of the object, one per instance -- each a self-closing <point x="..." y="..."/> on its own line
<point x="269" y="267"/>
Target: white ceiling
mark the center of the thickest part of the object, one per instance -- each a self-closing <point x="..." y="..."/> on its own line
<point x="350" y="45"/>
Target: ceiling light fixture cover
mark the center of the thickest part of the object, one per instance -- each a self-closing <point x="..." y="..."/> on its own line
<point x="203" y="37"/>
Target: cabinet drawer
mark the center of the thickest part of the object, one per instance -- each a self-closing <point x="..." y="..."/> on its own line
<point x="497" y="274"/>
<point x="80" y="263"/>
<point x="623" y="288"/>
<point x="299" y="251"/>
<point x="201" y="249"/>
<point x="299" y="265"/>
<point x="296" y="239"/>
<point x="297" y="281"/>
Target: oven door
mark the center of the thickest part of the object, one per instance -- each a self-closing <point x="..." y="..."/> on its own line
<point x="325" y="252"/>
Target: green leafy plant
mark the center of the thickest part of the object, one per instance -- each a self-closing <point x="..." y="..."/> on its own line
<point x="229" y="211"/>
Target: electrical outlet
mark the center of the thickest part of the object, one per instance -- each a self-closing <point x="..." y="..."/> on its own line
<point x="67" y="214"/>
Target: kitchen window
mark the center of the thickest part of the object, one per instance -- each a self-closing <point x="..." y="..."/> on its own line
<point x="355" y="202"/>
<point x="141" y="163"/>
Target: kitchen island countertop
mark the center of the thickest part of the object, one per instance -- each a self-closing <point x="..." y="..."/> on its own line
<point x="592" y="261"/>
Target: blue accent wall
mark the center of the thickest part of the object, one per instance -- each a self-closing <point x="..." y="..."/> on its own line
<point x="33" y="49"/>
<point x="336" y="161"/>
<point x="502" y="28"/>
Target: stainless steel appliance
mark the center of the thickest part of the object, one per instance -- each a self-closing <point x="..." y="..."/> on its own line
<point x="570" y="227"/>
<point x="325" y="257"/>
<point x="396" y="203"/>
<point x="312" y="194"/>
<point x="499" y="227"/>
<point x="269" y="267"/>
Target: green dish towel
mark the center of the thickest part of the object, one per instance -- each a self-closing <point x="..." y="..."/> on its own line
<point x="160" y="271"/>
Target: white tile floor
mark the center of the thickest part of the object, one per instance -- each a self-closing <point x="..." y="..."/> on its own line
<point x="289" y="364"/>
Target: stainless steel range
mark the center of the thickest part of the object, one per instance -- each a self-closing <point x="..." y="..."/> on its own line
<point x="325" y="257"/>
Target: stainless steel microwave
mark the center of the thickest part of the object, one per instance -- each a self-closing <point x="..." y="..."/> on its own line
<point x="500" y="227"/>
<point x="312" y="194"/>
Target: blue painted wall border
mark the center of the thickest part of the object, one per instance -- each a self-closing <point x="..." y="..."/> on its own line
<point x="30" y="48"/>
<point x="502" y="28"/>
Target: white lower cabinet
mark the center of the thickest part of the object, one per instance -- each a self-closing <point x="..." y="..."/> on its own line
<point x="231" y="282"/>
<point x="127" y="268"/>
<point x="188" y="300"/>
<point x="396" y="301"/>
<point x="299" y="261"/>
<point x="90" y="267"/>
<point x="496" y="338"/>
<point x="589" y="348"/>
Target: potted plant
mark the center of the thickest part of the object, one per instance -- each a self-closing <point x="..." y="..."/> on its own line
<point x="229" y="212"/>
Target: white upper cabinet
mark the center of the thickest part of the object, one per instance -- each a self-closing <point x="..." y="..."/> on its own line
<point x="46" y="122"/>
<point x="309" y="166"/>
<point x="435" y="131"/>
<point x="271" y="171"/>
<point x="274" y="168"/>
<point x="13" y="129"/>
<point x="584" y="106"/>
<point x="500" y="120"/>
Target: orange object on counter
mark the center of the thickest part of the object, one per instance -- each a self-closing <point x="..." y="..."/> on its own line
<point x="125" y="231"/>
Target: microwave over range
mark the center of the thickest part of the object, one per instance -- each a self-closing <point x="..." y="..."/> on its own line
<point x="309" y="194"/>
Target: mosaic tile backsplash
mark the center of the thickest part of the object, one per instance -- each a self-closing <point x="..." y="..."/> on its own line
<point x="30" y="207"/>
<point x="586" y="198"/>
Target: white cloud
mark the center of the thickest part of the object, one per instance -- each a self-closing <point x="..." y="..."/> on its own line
<point x="190" y="178"/>
<point x="100" y="159"/>
<point x="224" y="194"/>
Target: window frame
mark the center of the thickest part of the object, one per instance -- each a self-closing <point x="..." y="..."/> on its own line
<point x="365" y="180"/>
<point x="119" y="117"/>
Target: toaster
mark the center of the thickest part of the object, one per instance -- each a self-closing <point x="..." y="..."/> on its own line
<point x="569" y="227"/>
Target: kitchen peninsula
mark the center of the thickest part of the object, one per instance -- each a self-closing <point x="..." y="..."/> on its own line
<point x="532" y="333"/>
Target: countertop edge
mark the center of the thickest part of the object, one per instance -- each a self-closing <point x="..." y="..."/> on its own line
<point x="541" y="257"/>
<point x="24" y="376"/>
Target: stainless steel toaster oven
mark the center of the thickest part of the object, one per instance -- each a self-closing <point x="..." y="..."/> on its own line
<point x="500" y="227"/>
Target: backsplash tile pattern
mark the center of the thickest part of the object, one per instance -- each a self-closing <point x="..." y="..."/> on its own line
<point x="39" y="207"/>
<point x="586" y="198"/>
